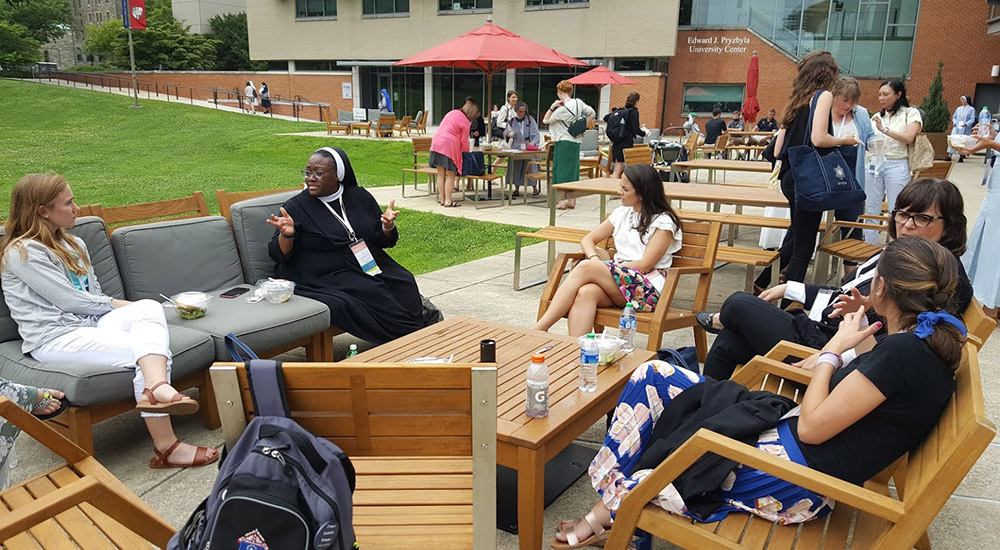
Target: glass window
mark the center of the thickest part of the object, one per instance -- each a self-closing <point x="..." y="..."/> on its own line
<point x="555" y="3"/>
<point x="385" y="7"/>
<point x="631" y="64"/>
<point x="314" y="65"/>
<point x="714" y="13"/>
<point x="462" y="5"/>
<point x="315" y="8"/>
<point x="703" y="98"/>
<point x="537" y="88"/>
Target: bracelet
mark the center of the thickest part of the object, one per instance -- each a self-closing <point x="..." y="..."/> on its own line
<point x="593" y="256"/>
<point x="390" y="228"/>
<point x="283" y="236"/>
<point x="831" y="358"/>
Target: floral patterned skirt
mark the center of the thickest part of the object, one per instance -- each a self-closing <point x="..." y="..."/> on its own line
<point x="635" y="287"/>
<point x="648" y="391"/>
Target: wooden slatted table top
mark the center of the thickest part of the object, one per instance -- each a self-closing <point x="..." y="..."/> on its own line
<point x="461" y="336"/>
<point x="702" y="192"/>
<point x="724" y="164"/>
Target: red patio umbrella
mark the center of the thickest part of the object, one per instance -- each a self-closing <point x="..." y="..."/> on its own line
<point x="490" y="48"/>
<point x="599" y="76"/>
<point x="750" y="105"/>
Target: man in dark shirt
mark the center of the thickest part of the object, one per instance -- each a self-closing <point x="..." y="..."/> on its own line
<point x="715" y="127"/>
<point x="768" y="124"/>
<point x="736" y="123"/>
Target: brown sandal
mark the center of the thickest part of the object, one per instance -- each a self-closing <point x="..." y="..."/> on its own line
<point x="160" y="461"/>
<point x="179" y="404"/>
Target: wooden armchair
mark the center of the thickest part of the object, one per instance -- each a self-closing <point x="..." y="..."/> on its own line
<point x="638" y="154"/>
<point x="854" y="250"/>
<point x="131" y="214"/>
<point x="421" y="437"/>
<point x="383" y="127"/>
<point x="865" y="518"/>
<point x="77" y="505"/>
<point x="420" y="125"/>
<point x="403" y="125"/>
<point x="696" y="257"/>
<point x="421" y="156"/>
<point x="940" y="169"/>
<point x="715" y="149"/>
<point x="334" y="125"/>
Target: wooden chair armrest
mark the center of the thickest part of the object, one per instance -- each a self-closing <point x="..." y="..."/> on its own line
<point x="41" y="432"/>
<point x="691" y="270"/>
<point x="48" y="506"/>
<point x="785" y="349"/>
<point x="859" y="225"/>
<point x="705" y="441"/>
<point x="761" y="364"/>
<point x="874" y="217"/>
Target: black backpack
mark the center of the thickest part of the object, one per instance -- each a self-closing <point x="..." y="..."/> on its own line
<point x="279" y="487"/>
<point x="617" y="130"/>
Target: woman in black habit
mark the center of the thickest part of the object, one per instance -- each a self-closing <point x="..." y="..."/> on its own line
<point x="324" y="236"/>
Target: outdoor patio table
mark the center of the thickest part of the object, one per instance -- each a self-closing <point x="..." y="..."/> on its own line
<point x="509" y="154"/>
<point x="524" y="444"/>
<point x="719" y="164"/>
<point x="359" y="126"/>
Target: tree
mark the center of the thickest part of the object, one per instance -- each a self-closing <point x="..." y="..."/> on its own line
<point x="232" y="52"/>
<point x="17" y="47"/>
<point x="43" y="19"/>
<point x="109" y="42"/>
<point x="936" y="112"/>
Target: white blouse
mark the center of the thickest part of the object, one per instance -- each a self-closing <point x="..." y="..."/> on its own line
<point x="629" y="247"/>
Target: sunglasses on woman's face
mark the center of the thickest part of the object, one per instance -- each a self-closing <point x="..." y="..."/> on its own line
<point x="919" y="220"/>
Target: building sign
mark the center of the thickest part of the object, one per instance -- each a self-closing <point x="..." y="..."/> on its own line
<point x="345" y="90"/>
<point x="719" y="44"/>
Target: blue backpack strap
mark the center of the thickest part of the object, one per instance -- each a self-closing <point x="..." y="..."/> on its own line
<point x="267" y="388"/>
<point x="236" y="346"/>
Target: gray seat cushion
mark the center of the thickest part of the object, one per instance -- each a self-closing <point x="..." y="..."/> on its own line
<point x="253" y="233"/>
<point x="262" y="326"/>
<point x="345" y="117"/>
<point x="92" y="384"/>
<point x="94" y="232"/>
<point x="8" y="328"/>
<point x="175" y="256"/>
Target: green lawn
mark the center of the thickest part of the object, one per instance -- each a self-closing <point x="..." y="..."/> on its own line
<point x="113" y="154"/>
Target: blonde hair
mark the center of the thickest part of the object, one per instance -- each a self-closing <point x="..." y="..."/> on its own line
<point x="30" y="192"/>
<point x="565" y="86"/>
<point x="847" y="88"/>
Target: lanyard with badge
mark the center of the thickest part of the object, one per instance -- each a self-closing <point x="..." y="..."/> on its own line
<point x="361" y="252"/>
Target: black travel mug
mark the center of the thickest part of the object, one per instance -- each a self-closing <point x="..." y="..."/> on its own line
<point x="488" y="351"/>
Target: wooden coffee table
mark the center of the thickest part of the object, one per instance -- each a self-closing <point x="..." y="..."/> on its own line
<point x="524" y="444"/>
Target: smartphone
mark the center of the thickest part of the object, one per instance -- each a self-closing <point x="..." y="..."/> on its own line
<point x="234" y="292"/>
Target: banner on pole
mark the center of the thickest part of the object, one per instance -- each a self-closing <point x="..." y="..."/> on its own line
<point x="134" y="14"/>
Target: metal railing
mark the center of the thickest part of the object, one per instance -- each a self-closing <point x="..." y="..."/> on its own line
<point x="215" y="95"/>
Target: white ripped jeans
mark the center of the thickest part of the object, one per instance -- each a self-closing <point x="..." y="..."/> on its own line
<point x="891" y="178"/>
<point x="122" y="336"/>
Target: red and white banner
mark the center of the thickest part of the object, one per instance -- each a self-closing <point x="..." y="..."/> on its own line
<point x="134" y="14"/>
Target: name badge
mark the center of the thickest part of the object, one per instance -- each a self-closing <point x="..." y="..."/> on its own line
<point x="819" y="305"/>
<point x="365" y="258"/>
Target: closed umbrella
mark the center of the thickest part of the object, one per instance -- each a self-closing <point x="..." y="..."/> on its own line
<point x="490" y="48"/>
<point x="750" y="105"/>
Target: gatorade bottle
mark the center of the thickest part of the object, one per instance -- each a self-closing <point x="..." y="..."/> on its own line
<point x="538" y="387"/>
<point x="589" y="355"/>
<point x="352" y="351"/>
<point x="626" y="327"/>
<point x="985" y="120"/>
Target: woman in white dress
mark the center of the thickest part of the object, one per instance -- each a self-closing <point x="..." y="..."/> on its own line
<point x="982" y="261"/>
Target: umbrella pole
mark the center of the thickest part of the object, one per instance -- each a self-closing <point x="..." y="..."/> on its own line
<point x="488" y="108"/>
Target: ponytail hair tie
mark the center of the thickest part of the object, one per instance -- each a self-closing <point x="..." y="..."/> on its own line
<point x="928" y="319"/>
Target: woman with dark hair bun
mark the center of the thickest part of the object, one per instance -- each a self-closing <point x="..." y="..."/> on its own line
<point x="629" y="130"/>
<point x="746" y="325"/>
<point x="330" y="239"/>
<point x="646" y="231"/>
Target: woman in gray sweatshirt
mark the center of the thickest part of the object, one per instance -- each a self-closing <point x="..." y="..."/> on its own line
<point x="63" y="317"/>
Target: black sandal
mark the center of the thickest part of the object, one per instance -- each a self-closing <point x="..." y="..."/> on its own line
<point x="704" y="319"/>
<point x="46" y="399"/>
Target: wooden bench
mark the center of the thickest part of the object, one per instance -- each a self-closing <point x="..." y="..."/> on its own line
<point x="131" y="214"/>
<point x="868" y="517"/>
<point x="78" y="505"/>
<point x="422" y="439"/>
<point x="696" y="257"/>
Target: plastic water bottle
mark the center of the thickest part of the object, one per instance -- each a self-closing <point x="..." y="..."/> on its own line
<point x="352" y="351"/>
<point x="626" y="327"/>
<point x="538" y="387"/>
<point x="985" y="121"/>
<point x="589" y="354"/>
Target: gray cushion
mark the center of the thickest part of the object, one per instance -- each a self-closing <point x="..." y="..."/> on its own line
<point x="92" y="384"/>
<point x="262" y="326"/>
<point x="373" y="114"/>
<point x="8" y="328"/>
<point x="94" y="232"/>
<point x="345" y="117"/>
<point x="175" y="256"/>
<point x="253" y="233"/>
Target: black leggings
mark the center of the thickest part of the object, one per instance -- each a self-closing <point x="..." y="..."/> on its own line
<point x="800" y="241"/>
<point x="753" y="327"/>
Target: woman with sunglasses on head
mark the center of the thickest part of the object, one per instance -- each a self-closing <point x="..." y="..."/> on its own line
<point x="330" y="239"/>
<point x="855" y="419"/>
<point x="747" y="326"/>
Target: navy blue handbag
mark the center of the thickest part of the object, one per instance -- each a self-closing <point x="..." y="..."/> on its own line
<point x="473" y="164"/>
<point x="824" y="180"/>
<point x="686" y="357"/>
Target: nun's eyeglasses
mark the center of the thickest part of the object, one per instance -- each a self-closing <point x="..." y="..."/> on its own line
<point x="317" y="173"/>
